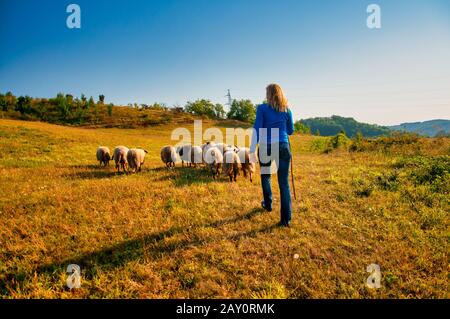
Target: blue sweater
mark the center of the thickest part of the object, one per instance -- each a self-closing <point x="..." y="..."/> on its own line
<point x="267" y="117"/>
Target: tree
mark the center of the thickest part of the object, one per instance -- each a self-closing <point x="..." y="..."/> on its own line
<point x="69" y="98"/>
<point x="204" y="107"/>
<point x="3" y="104"/>
<point x="110" y="109"/>
<point x="83" y="101"/>
<point x="10" y="101"/>
<point x="91" y="103"/>
<point x="317" y="133"/>
<point x="62" y="105"/>
<point x="24" y="105"/>
<point x="101" y="98"/>
<point x="219" y="111"/>
<point x="242" y="110"/>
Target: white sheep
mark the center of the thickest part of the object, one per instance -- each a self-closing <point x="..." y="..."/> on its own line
<point x="103" y="155"/>
<point x="135" y="158"/>
<point x="225" y="147"/>
<point x="120" y="157"/>
<point x="196" y="155"/>
<point x="207" y="146"/>
<point x="231" y="164"/>
<point x="214" y="160"/>
<point x="169" y="155"/>
<point x="185" y="153"/>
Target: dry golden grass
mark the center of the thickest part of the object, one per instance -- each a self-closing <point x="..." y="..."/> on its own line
<point x="177" y="233"/>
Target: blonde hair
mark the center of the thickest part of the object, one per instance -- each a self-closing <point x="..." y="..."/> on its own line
<point x="276" y="98"/>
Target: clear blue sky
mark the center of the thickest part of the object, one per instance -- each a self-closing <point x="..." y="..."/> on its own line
<point x="172" y="51"/>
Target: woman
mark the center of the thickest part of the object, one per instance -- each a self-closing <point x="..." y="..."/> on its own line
<point x="272" y="126"/>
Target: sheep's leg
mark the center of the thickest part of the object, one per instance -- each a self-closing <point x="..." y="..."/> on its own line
<point x="235" y="174"/>
<point x="217" y="171"/>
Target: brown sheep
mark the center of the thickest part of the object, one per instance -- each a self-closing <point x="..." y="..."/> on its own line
<point x="169" y="155"/>
<point x="231" y="165"/>
<point x="247" y="166"/>
<point x="120" y="157"/>
<point x="135" y="158"/>
<point x="103" y="155"/>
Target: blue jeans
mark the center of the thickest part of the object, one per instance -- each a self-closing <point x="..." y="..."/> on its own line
<point x="283" y="161"/>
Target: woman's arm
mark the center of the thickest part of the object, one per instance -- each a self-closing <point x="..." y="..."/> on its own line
<point x="258" y="124"/>
<point x="290" y="123"/>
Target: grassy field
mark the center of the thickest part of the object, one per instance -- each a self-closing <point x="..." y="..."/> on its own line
<point x="177" y="233"/>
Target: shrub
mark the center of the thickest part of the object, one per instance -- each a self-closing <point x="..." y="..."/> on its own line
<point x="388" y="181"/>
<point x="339" y="141"/>
<point x="363" y="187"/>
<point x="319" y="144"/>
<point x="431" y="171"/>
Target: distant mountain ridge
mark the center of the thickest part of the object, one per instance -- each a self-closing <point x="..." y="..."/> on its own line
<point x="329" y="126"/>
<point x="427" y="128"/>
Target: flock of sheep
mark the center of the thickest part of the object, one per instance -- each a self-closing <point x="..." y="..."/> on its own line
<point x="216" y="157"/>
<point x="124" y="157"/>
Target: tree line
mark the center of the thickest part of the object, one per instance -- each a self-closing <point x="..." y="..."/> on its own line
<point x="66" y="108"/>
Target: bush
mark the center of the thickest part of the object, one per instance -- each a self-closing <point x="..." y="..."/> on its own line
<point x="388" y="181"/>
<point x="339" y="141"/>
<point x="319" y="144"/>
<point x="357" y="143"/>
<point x="363" y="187"/>
<point x="431" y="171"/>
<point x="301" y="128"/>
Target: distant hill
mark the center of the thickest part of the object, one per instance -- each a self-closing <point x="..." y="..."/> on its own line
<point x="328" y="126"/>
<point x="427" y="128"/>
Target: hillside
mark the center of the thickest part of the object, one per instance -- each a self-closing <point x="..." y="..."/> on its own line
<point x="329" y="126"/>
<point x="177" y="233"/>
<point x="83" y="112"/>
<point x="427" y="128"/>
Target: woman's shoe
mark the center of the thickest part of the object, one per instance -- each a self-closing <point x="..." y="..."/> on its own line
<point x="264" y="206"/>
<point x="282" y="224"/>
